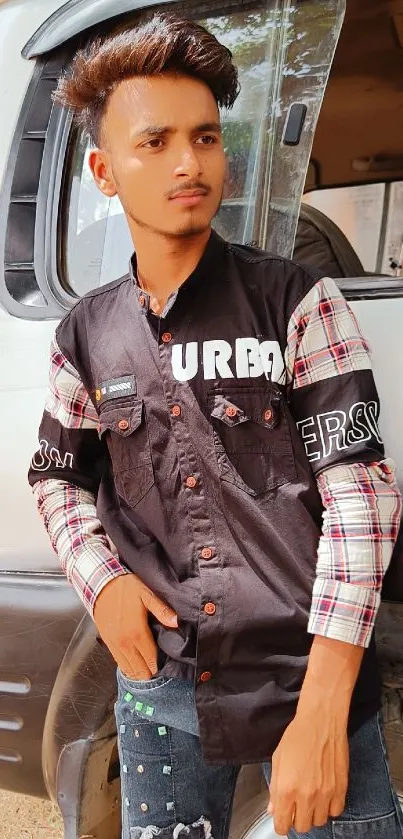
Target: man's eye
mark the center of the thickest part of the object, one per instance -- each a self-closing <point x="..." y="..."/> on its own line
<point x="155" y="143"/>
<point x="206" y="140"/>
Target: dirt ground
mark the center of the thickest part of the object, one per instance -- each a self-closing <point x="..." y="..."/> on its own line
<point x="23" y="817"/>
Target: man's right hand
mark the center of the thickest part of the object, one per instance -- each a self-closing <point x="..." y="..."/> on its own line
<point x="121" y="615"/>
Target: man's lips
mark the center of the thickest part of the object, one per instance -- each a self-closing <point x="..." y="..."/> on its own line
<point x="189" y="197"/>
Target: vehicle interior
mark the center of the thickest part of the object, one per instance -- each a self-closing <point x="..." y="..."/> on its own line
<point x="357" y="153"/>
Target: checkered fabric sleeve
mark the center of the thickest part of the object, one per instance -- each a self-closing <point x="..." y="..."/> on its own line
<point x="335" y="404"/>
<point x="65" y="473"/>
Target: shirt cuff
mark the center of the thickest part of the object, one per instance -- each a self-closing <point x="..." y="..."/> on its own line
<point x="343" y="611"/>
<point x="94" y="567"/>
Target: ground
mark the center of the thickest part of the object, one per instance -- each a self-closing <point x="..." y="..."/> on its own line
<point x="23" y="817"/>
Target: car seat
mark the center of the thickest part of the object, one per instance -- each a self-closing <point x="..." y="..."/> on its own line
<point x="320" y="244"/>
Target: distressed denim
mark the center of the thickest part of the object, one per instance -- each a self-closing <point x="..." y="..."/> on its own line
<point x="168" y="790"/>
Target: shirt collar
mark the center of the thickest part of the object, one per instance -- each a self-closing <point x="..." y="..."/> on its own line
<point x="208" y="265"/>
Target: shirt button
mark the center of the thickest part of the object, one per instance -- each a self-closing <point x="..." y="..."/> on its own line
<point x="207" y="553"/>
<point x="231" y="411"/>
<point x="206" y="676"/>
<point x="176" y="411"/>
<point x="191" y="482"/>
<point x="166" y="337"/>
<point x="142" y="300"/>
<point x="210" y="609"/>
<point x="268" y="415"/>
<point x="123" y="425"/>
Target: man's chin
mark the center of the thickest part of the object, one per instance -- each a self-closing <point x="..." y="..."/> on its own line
<point x="188" y="230"/>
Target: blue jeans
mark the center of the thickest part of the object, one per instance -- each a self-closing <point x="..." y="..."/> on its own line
<point x="168" y="790"/>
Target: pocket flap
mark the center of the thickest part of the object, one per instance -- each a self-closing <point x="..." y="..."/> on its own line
<point x="250" y="405"/>
<point x="122" y="419"/>
<point x="228" y="412"/>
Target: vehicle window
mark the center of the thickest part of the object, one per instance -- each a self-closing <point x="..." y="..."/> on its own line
<point x="371" y="217"/>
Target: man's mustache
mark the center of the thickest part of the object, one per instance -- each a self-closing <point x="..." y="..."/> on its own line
<point x="190" y="186"/>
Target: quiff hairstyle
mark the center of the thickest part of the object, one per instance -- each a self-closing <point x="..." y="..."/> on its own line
<point x="161" y="44"/>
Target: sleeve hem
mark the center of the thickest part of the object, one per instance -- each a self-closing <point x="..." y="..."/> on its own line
<point x="343" y="611"/>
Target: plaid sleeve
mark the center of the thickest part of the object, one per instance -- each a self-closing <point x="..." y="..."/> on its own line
<point x="65" y="472"/>
<point x="362" y="508"/>
<point x="336" y="407"/>
<point x="87" y="556"/>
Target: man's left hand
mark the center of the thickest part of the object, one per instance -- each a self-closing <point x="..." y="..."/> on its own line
<point x="310" y="771"/>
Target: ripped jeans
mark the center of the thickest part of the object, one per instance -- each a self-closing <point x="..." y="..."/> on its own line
<point x="168" y="790"/>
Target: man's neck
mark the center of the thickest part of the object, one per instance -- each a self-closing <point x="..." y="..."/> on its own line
<point x="164" y="264"/>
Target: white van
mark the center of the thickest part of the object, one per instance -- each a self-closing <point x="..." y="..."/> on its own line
<point x="60" y="237"/>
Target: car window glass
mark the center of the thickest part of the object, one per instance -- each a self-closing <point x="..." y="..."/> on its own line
<point x="371" y="217"/>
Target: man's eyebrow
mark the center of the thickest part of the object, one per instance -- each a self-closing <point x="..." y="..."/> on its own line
<point x="208" y="126"/>
<point x="153" y="131"/>
<point x="161" y="130"/>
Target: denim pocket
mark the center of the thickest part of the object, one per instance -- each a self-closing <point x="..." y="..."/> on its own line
<point x="142" y="684"/>
<point x="383" y="827"/>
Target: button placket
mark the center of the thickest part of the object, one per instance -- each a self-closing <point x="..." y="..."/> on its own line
<point x="194" y="497"/>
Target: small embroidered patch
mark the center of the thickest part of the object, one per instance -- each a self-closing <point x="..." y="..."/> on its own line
<point x="139" y="706"/>
<point x="149" y="711"/>
<point x="128" y="697"/>
<point x="116" y="389"/>
<point x="162" y="730"/>
<point x="170" y="805"/>
<point x="167" y="770"/>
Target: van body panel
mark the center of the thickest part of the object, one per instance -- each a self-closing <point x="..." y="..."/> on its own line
<point x="38" y="615"/>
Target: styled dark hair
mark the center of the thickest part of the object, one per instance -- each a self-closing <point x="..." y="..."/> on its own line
<point x="161" y="44"/>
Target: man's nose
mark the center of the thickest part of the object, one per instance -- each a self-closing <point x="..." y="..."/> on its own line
<point x="188" y="164"/>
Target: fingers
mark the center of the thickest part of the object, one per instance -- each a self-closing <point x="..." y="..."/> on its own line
<point x="136" y="669"/>
<point x="337" y="805"/>
<point x="303" y="818"/>
<point x="145" y="646"/>
<point x="158" y="608"/>
<point x="283" y="817"/>
<point x="131" y="664"/>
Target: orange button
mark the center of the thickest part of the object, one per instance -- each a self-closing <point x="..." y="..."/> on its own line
<point x="231" y="411"/>
<point x="166" y="337"/>
<point x="142" y="300"/>
<point x="207" y="553"/>
<point x="123" y="425"/>
<point x="206" y="676"/>
<point x="176" y="411"/>
<point x="191" y="482"/>
<point x="210" y="609"/>
<point x="268" y="415"/>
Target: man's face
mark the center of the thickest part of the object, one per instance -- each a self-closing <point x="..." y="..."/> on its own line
<point x="162" y="153"/>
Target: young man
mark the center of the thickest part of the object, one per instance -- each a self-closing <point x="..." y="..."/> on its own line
<point x="214" y="417"/>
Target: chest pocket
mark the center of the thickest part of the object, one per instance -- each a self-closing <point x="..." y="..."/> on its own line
<point x="252" y="438"/>
<point x="124" y="428"/>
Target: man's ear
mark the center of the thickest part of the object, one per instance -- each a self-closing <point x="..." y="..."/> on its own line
<point x="226" y="172"/>
<point x="101" y="169"/>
